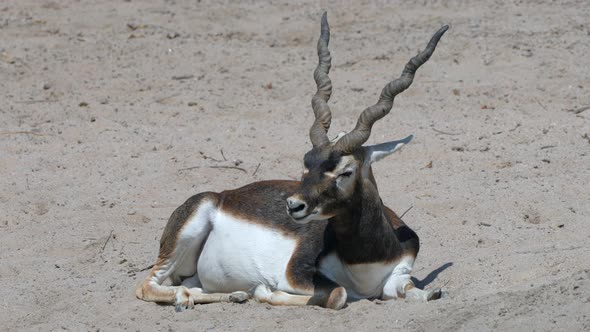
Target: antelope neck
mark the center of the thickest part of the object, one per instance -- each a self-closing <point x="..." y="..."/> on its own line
<point x="362" y="233"/>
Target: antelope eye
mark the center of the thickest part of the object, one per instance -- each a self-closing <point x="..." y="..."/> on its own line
<point x="346" y="174"/>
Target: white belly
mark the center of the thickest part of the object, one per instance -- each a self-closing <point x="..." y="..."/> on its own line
<point x="239" y="255"/>
<point x="360" y="280"/>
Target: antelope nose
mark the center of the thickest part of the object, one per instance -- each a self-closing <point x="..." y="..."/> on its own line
<point x="295" y="205"/>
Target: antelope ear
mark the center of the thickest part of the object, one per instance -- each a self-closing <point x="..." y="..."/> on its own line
<point x="377" y="152"/>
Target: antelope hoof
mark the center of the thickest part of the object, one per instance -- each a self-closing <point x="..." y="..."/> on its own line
<point x="239" y="297"/>
<point x="436" y="294"/>
<point x="337" y="299"/>
<point x="184" y="300"/>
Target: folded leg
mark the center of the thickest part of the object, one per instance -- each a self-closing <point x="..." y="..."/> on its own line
<point x="400" y="285"/>
<point x="324" y="293"/>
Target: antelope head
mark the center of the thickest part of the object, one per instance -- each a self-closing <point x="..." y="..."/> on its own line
<point x="337" y="173"/>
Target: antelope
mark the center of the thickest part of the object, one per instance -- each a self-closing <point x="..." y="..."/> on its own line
<point x="324" y="240"/>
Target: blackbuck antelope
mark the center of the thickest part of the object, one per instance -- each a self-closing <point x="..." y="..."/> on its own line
<point x="322" y="241"/>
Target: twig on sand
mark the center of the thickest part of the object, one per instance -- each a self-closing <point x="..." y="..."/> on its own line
<point x="550" y="249"/>
<point x="540" y="104"/>
<point x="207" y="157"/>
<point x="107" y="241"/>
<point x="408" y="210"/>
<point x="515" y="127"/>
<point x="37" y="101"/>
<point x="24" y="133"/>
<point x="146" y="268"/>
<point x="229" y="167"/>
<point x="444" y="132"/>
<point x="224" y="159"/>
<point x="580" y="109"/>
<point x="256" y="170"/>
<point x="135" y="270"/>
<point x="188" y="168"/>
<point x="222" y="167"/>
<point x="163" y="99"/>
<point x="183" y="77"/>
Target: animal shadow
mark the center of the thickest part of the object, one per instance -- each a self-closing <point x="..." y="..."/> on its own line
<point x="431" y="276"/>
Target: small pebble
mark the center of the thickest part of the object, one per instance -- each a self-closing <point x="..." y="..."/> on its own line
<point x="172" y="35"/>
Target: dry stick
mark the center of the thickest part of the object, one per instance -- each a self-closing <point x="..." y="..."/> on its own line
<point x="229" y="167"/>
<point x="224" y="159"/>
<point x="24" y="133"/>
<point x="183" y="77"/>
<point x="403" y="214"/>
<point x="539" y="102"/>
<point x="515" y="127"/>
<point x="163" y="99"/>
<point x="581" y="109"/>
<point x="550" y="249"/>
<point x="107" y="241"/>
<point x="188" y="168"/>
<point x="207" y="157"/>
<point x="147" y="267"/>
<point x="222" y="167"/>
<point x="444" y="132"/>
<point x="36" y="101"/>
<point x="256" y="170"/>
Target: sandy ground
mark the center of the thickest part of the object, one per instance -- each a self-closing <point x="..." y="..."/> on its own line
<point x="104" y="103"/>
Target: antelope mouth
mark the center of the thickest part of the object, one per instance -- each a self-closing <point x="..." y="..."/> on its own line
<point x="304" y="219"/>
<point x="301" y="218"/>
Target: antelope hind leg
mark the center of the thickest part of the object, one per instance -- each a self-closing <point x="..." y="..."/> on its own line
<point x="152" y="290"/>
<point x="400" y="285"/>
<point x="186" y="298"/>
<point x="190" y="294"/>
<point x="403" y="287"/>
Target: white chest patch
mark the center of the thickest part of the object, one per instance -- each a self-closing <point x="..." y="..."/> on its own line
<point x="239" y="255"/>
<point x="360" y="280"/>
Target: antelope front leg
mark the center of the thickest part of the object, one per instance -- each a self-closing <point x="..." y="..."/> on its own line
<point x="403" y="287"/>
<point x="400" y="285"/>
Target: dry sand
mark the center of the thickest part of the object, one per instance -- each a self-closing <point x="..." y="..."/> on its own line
<point x="103" y="103"/>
